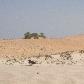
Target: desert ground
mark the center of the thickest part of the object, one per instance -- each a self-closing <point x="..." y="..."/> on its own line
<point x="31" y="47"/>
<point x="42" y="61"/>
<point x="42" y="74"/>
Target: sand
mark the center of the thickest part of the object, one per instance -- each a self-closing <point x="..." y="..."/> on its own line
<point x="39" y="47"/>
<point x="42" y="74"/>
<point x="42" y="61"/>
<point x="63" y="68"/>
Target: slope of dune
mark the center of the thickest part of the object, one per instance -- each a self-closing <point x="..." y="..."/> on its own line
<point x="39" y="47"/>
<point x="42" y="61"/>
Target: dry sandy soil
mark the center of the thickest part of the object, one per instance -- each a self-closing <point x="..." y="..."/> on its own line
<point x="58" y="61"/>
<point x="42" y="74"/>
<point x="40" y="47"/>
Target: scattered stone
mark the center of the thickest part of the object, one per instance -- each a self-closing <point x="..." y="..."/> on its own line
<point x="68" y="57"/>
<point x="31" y="62"/>
<point x="37" y="73"/>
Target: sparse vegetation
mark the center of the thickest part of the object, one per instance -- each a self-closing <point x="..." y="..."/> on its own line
<point x="29" y="35"/>
<point x="42" y="35"/>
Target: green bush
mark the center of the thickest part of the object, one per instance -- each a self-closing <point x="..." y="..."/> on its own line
<point x="42" y="35"/>
<point x="35" y="35"/>
<point x="29" y="35"/>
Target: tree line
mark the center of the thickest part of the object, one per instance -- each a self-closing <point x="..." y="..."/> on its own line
<point x="29" y="35"/>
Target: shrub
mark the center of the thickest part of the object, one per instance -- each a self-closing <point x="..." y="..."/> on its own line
<point x="29" y="35"/>
<point x="42" y="35"/>
<point x="35" y="35"/>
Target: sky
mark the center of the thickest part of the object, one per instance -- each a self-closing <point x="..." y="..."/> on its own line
<point x="55" y="18"/>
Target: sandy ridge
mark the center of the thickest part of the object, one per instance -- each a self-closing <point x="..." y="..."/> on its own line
<point x="27" y="48"/>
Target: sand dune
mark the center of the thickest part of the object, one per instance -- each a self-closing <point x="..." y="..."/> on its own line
<point x="42" y="61"/>
<point x="28" y="48"/>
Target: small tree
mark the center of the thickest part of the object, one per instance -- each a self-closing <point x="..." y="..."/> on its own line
<point x="27" y="35"/>
<point x="35" y="35"/>
<point x="42" y="35"/>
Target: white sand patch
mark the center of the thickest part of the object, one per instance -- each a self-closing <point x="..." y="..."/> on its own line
<point x="67" y="57"/>
<point x="42" y="74"/>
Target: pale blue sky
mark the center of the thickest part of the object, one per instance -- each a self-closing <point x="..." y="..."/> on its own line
<point x="53" y="17"/>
